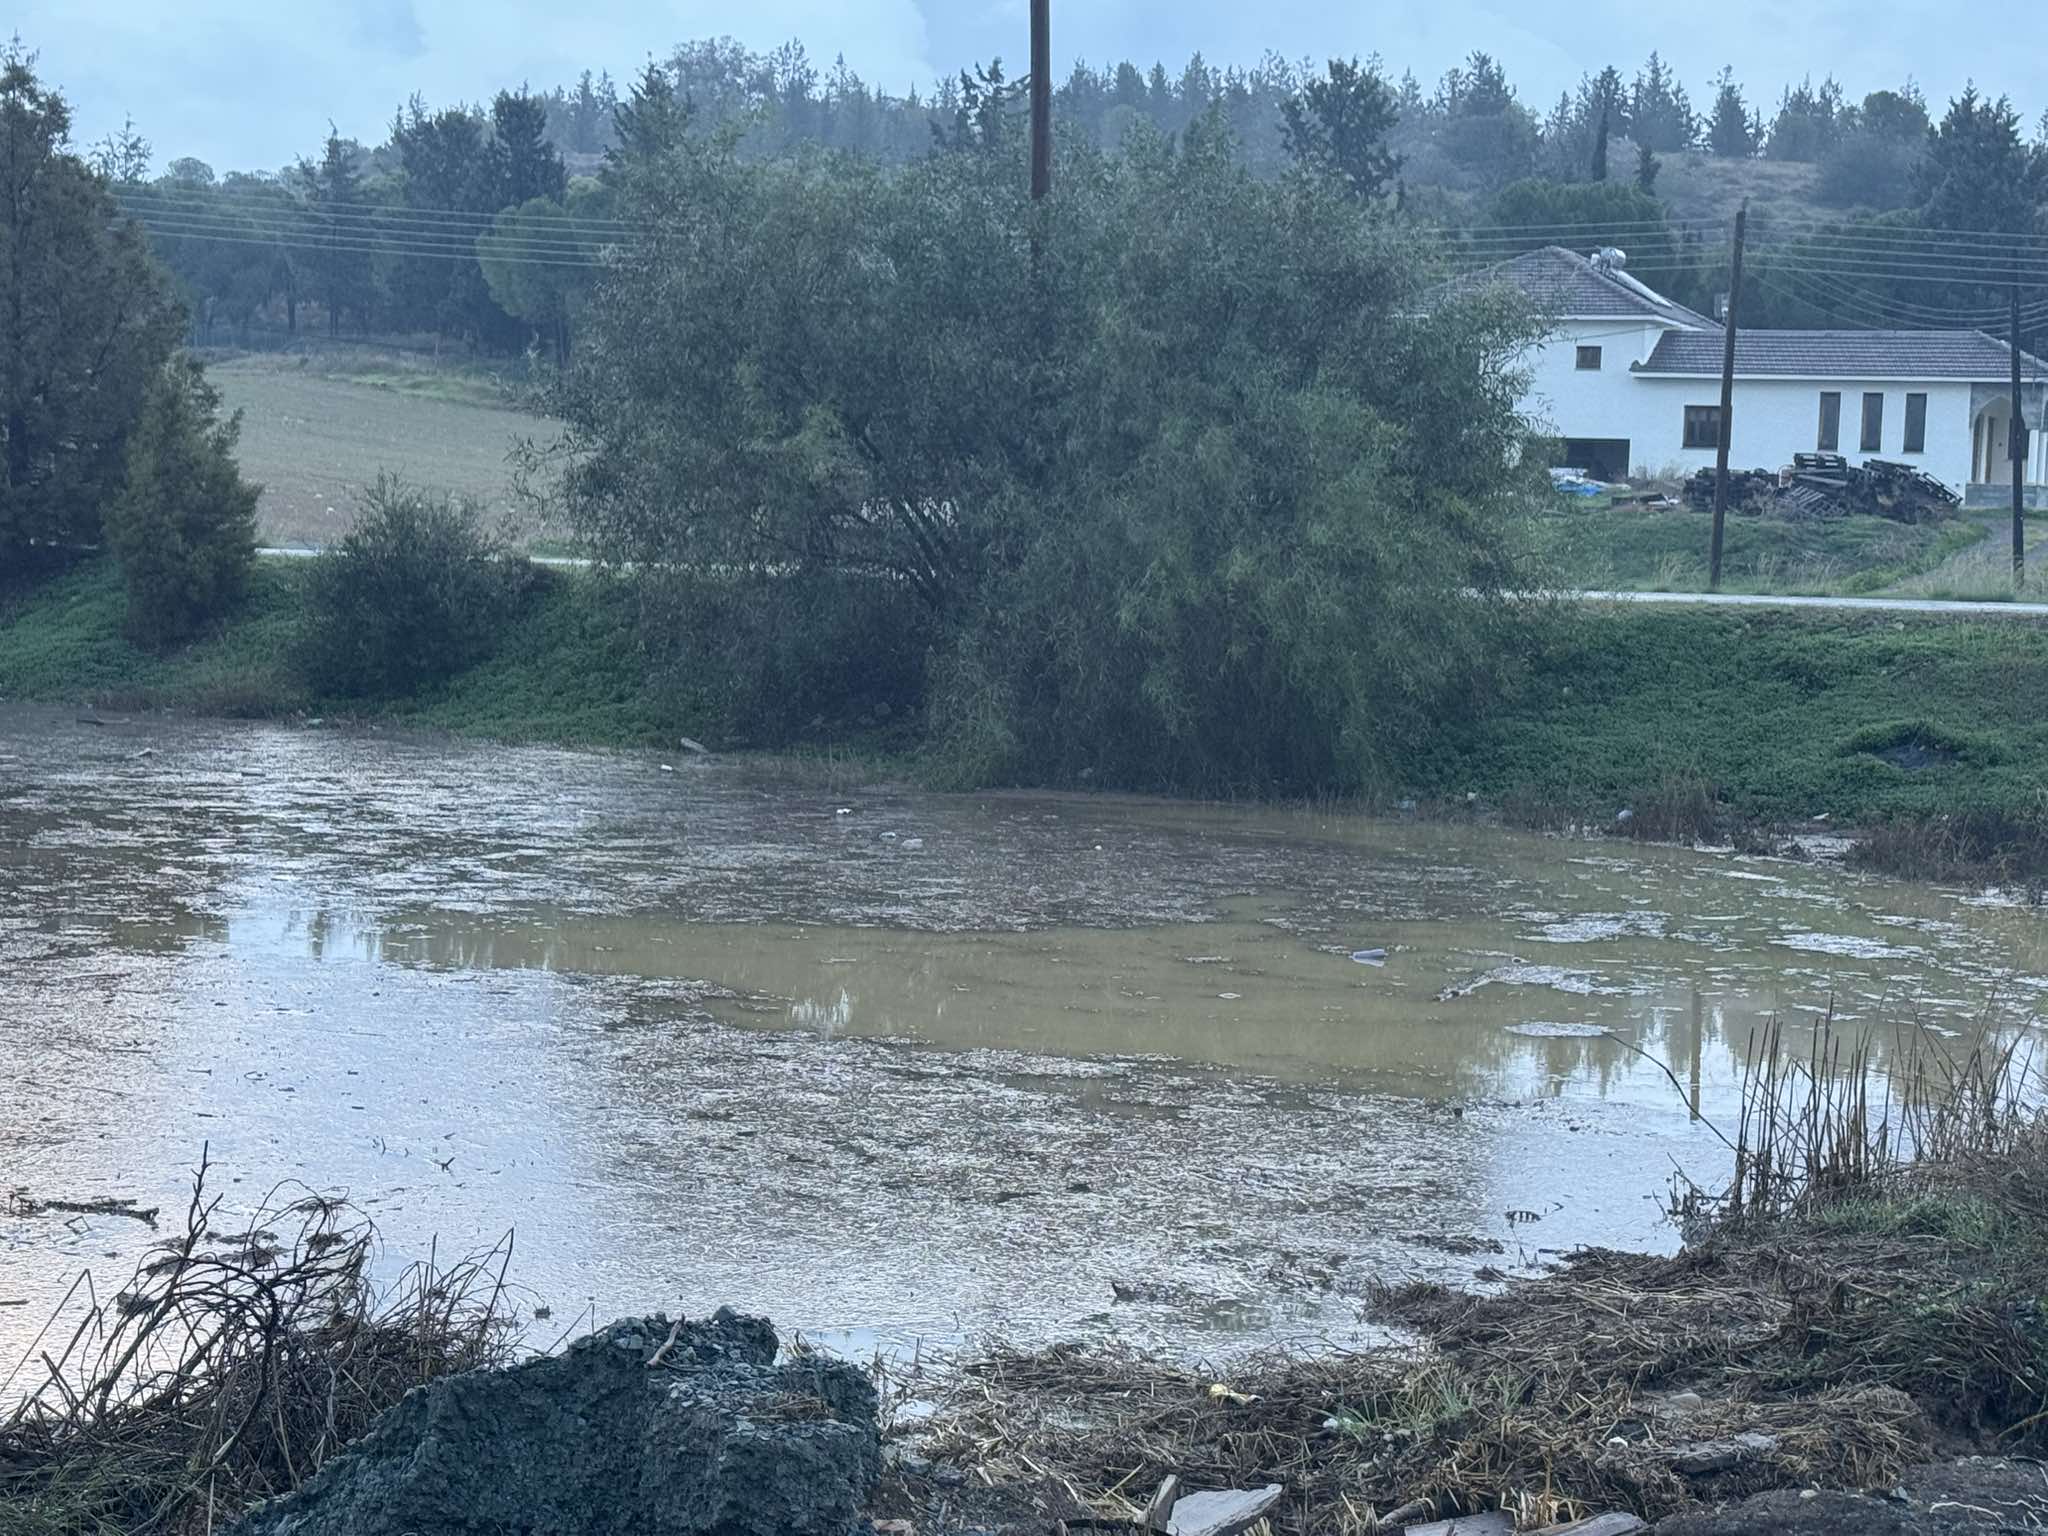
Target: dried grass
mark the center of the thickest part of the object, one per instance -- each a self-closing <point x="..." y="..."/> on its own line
<point x="234" y="1364"/>
<point x="1864" y="1293"/>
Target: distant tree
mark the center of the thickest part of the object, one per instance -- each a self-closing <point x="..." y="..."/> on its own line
<point x="1660" y="114"/>
<point x="86" y="320"/>
<point x="184" y="525"/>
<point x="123" y="156"/>
<point x="1900" y="114"/>
<point x="339" y="253"/>
<point x="522" y="164"/>
<point x="1980" y="173"/>
<point x="1599" y="213"/>
<point x="985" y="116"/>
<point x="1647" y="166"/>
<point x="1485" y="131"/>
<point x="187" y="172"/>
<point x="651" y="120"/>
<point x="1600" y="150"/>
<point x="1809" y="123"/>
<point x="1875" y="163"/>
<point x="1733" y="130"/>
<point x="545" y="294"/>
<point x="1338" y="126"/>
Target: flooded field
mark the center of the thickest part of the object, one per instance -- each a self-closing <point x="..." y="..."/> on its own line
<point x="888" y="1066"/>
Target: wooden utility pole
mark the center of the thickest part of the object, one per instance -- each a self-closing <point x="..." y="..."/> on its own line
<point x="1041" y="98"/>
<point x="1727" y="401"/>
<point x="2016" y="450"/>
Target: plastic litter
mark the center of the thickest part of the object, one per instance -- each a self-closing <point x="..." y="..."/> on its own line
<point x="1369" y="956"/>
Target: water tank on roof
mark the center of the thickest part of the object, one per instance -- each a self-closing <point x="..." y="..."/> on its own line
<point x="1610" y="258"/>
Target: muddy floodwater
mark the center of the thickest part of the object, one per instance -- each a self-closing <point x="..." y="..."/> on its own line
<point x="887" y="1066"/>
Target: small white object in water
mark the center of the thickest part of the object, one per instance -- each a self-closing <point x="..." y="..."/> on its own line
<point x="888" y="837"/>
<point x="1230" y="997"/>
<point x="668" y="767"/>
<point x="844" y="810"/>
<point x="913" y="842"/>
<point x="1369" y="956"/>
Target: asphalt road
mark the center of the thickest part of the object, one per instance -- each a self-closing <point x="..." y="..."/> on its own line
<point x="1971" y="609"/>
<point x="1925" y="605"/>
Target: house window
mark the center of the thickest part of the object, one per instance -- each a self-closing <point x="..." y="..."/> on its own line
<point x="1589" y="359"/>
<point x="1873" y="421"/>
<point x="1916" y="424"/>
<point x="1830" y="440"/>
<point x="1703" y="426"/>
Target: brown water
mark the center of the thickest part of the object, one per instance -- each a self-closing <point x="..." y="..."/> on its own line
<point x="884" y="1065"/>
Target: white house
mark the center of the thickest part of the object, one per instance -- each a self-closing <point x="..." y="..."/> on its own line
<point x="1632" y="383"/>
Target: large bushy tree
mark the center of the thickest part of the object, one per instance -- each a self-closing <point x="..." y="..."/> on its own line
<point x="1185" y="477"/>
<point x="86" y="320"/>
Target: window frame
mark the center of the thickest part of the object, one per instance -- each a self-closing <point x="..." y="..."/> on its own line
<point x="1579" y="363"/>
<point x="1703" y="413"/>
<point x="1828" y="436"/>
<point x="1916" y="422"/>
<point x="1871" y="438"/>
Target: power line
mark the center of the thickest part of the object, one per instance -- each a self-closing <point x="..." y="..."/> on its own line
<point x="308" y="233"/>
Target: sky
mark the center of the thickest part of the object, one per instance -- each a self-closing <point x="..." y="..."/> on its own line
<point x="253" y="84"/>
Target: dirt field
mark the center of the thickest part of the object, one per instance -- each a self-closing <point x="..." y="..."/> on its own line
<point x="313" y="438"/>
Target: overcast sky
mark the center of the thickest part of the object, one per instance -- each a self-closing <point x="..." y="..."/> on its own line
<point x="250" y="84"/>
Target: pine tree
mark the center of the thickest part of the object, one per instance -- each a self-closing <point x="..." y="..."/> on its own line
<point x="184" y="526"/>
<point x="1600" y="149"/>
<point x="1647" y="166"/>
<point x="652" y="118"/>
<point x="1338" y="124"/>
<point x="1733" y="130"/>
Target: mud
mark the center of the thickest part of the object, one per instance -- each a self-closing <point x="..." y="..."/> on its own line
<point x="892" y="1067"/>
<point x="1978" y="1493"/>
<point x="642" y="1429"/>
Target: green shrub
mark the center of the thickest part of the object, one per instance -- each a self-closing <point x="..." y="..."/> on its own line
<point x="417" y="591"/>
<point x="184" y="526"/>
<point x="770" y="660"/>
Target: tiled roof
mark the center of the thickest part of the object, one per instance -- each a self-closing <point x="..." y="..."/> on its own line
<point x="1567" y="285"/>
<point x="1968" y="355"/>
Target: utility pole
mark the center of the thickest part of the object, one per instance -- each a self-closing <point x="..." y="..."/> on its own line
<point x="1727" y="401"/>
<point x="1041" y="98"/>
<point x="2016" y="450"/>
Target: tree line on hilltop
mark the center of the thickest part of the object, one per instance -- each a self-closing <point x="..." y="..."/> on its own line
<point x="483" y="225"/>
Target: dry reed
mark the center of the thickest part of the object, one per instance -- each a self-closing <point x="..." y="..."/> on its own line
<point x="234" y="1364"/>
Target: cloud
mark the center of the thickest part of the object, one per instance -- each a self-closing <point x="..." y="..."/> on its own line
<point x="390" y="26"/>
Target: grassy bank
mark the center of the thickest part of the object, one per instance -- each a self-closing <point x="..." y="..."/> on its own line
<point x="568" y="670"/>
<point x="1690" y="719"/>
<point x="1599" y="548"/>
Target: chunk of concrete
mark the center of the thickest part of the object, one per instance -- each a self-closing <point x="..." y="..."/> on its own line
<point x="1492" y="1523"/>
<point x="642" y="1429"/>
<point x="1222" y="1514"/>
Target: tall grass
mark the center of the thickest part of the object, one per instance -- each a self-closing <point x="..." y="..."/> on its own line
<point x="233" y="1365"/>
<point x="1834" y="1124"/>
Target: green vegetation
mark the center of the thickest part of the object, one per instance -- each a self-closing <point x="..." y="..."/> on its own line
<point x="89" y="321"/>
<point x="1696" y="720"/>
<point x="1779" y="715"/>
<point x="1593" y="547"/>
<point x="184" y="527"/>
<point x="1166" y="481"/>
<point x="417" y="591"/>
